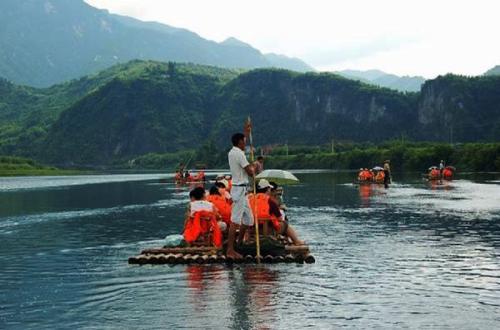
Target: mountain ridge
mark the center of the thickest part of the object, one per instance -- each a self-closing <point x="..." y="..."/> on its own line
<point x="49" y="42"/>
<point x="102" y="118"/>
<point x="383" y="79"/>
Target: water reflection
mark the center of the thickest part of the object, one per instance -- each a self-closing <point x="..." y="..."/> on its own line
<point x="367" y="191"/>
<point x="253" y="290"/>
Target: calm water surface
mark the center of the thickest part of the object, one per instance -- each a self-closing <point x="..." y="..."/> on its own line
<point x="413" y="256"/>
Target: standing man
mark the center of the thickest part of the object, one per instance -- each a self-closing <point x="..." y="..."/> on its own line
<point x="387" y="173"/>
<point x="441" y="169"/>
<point x="240" y="211"/>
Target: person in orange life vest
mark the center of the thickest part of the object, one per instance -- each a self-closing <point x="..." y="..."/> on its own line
<point x="267" y="208"/>
<point x="434" y="174"/>
<point x="229" y="180"/>
<point x="448" y="173"/>
<point x="380" y="177"/>
<point x="222" y="186"/>
<point x="360" y="174"/>
<point x="221" y="204"/>
<point x="199" y="207"/>
<point x="369" y="175"/>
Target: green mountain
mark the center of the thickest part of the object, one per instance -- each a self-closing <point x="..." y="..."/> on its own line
<point x="493" y="71"/>
<point x="143" y="106"/>
<point x="382" y="79"/>
<point x="51" y="41"/>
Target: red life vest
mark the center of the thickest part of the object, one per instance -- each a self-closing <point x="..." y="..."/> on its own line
<point x="447" y="173"/>
<point x="260" y="205"/>
<point x="222" y="206"/>
<point x="201" y="223"/>
<point x="434" y="174"/>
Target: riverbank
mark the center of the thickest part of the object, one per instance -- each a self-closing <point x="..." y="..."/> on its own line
<point x="17" y="166"/>
<point x="404" y="156"/>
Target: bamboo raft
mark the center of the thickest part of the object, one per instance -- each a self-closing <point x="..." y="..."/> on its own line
<point x="212" y="255"/>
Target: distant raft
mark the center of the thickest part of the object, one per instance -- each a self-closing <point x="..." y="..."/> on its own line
<point x="272" y="251"/>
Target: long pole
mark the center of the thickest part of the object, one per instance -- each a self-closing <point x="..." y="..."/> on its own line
<point x="254" y="210"/>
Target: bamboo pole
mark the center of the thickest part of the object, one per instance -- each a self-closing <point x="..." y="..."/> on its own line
<point x="254" y="211"/>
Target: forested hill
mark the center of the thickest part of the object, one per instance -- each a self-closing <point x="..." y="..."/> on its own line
<point x="141" y="107"/>
<point x="52" y="41"/>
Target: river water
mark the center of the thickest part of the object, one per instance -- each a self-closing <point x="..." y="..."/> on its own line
<point x="416" y="255"/>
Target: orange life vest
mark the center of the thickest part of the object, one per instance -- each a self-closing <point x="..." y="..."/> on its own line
<point x="260" y="205"/>
<point x="201" y="223"/>
<point x="447" y="173"/>
<point x="222" y="206"/>
<point x="434" y="174"/>
<point x="380" y="176"/>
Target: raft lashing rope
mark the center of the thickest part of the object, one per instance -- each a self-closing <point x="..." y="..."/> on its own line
<point x="211" y="255"/>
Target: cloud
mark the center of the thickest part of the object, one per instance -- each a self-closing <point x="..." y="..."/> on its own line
<point x="417" y="37"/>
<point x="354" y="51"/>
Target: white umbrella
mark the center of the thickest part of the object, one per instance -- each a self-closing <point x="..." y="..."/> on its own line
<point x="279" y="176"/>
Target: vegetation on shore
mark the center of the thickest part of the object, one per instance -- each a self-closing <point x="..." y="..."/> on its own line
<point x="404" y="156"/>
<point x="17" y="166"/>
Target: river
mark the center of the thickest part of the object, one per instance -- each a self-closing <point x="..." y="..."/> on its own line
<point x="416" y="255"/>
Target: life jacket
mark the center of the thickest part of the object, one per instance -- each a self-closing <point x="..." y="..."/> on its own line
<point x="360" y="176"/>
<point x="434" y="174"/>
<point x="260" y="205"/>
<point x="380" y="176"/>
<point x="447" y="173"/>
<point x="202" y="222"/>
<point x="222" y="206"/>
<point x="369" y="176"/>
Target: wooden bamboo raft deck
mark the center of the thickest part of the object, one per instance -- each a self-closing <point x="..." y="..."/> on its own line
<point x="211" y="255"/>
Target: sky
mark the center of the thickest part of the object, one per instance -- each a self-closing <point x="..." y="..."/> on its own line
<point x="403" y="37"/>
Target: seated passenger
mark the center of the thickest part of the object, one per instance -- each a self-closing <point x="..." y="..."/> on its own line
<point x="361" y="174"/>
<point x="222" y="205"/>
<point x="379" y="177"/>
<point x="448" y="173"/>
<point x="222" y="186"/>
<point x="201" y="218"/>
<point x="434" y="173"/>
<point x="369" y="175"/>
<point x="267" y="208"/>
<point x="229" y="180"/>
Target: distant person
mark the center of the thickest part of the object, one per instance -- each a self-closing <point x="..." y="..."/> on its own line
<point x="441" y="169"/>
<point x="259" y="165"/>
<point x="241" y="214"/>
<point x="387" y="173"/>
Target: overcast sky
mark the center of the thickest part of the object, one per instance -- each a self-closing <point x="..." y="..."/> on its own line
<point x="405" y="37"/>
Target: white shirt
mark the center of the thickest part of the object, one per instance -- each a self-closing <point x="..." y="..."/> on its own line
<point x="200" y="206"/>
<point x="237" y="164"/>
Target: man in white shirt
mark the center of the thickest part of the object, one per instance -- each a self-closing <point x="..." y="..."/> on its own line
<point x="241" y="213"/>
